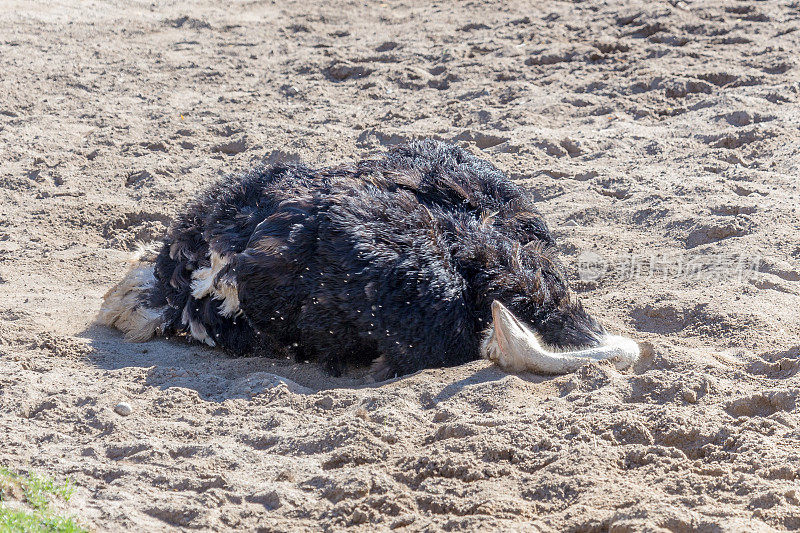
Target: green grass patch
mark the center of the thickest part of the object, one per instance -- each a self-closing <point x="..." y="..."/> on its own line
<point x="25" y="504"/>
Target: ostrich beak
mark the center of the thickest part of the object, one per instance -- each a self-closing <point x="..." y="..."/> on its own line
<point x="515" y="348"/>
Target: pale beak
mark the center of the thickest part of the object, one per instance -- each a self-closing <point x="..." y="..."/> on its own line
<point x="515" y="348"/>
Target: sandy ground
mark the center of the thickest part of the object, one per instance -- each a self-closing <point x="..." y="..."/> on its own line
<point x="661" y="139"/>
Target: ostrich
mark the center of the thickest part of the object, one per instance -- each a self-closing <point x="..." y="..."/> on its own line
<point x="426" y="257"/>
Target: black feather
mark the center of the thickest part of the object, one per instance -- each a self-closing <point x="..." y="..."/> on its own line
<point x="395" y="257"/>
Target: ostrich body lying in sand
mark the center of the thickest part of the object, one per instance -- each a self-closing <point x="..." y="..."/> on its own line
<point x="428" y="257"/>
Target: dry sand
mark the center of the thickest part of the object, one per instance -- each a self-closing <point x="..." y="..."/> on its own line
<point x="646" y="129"/>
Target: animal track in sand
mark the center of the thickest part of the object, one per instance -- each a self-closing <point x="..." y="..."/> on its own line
<point x="764" y="403"/>
<point x="777" y="365"/>
<point x="716" y="229"/>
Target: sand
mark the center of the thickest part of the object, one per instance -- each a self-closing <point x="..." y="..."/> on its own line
<point x="660" y="138"/>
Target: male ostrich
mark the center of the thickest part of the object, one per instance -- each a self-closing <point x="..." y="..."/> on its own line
<point x="428" y="257"/>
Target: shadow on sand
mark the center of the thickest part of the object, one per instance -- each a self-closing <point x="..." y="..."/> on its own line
<point x="218" y="377"/>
